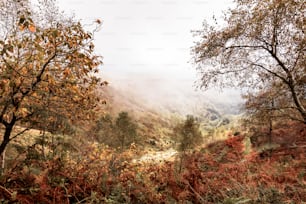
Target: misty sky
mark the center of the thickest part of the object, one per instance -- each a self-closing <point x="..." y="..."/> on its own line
<point x="146" y="36"/>
<point x="147" y="42"/>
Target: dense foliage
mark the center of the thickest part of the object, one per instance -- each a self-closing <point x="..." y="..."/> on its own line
<point x="47" y="66"/>
<point x="222" y="172"/>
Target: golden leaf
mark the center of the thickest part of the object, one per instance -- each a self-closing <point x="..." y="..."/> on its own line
<point x="34" y="94"/>
<point x="21" y="27"/>
<point x="32" y="28"/>
<point x="23" y="112"/>
<point x="75" y="88"/>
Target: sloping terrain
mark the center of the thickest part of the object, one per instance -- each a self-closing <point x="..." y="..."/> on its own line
<point x="226" y="171"/>
<point x="157" y="114"/>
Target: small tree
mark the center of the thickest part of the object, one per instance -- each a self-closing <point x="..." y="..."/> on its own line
<point x="104" y="131"/>
<point x="125" y="130"/>
<point x="188" y="135"/>
<point x="261" y="115"/>
<point x="120" y="132"/>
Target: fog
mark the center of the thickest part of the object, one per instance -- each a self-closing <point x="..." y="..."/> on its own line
<point x="169" y="94"/>
<point x="146" y="46"/>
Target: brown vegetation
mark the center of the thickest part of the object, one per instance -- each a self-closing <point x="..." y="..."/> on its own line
<point x="219" y="172"/>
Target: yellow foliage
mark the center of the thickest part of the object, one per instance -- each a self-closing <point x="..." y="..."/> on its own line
<point x="23" y="112"/>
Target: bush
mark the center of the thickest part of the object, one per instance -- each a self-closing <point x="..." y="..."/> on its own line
<point x="104" y="131"/>
<point x="125" y="130"/>
<point x="121" y="133"/>
<point x="188" y="134"/>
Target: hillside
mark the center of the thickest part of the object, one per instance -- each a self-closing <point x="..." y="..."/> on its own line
<point x="157" y="113"/>
<point x="224" y="169"/>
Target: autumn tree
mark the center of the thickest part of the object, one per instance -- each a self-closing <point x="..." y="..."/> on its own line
<point x="188" y="134"/>
<point x="103" y="131"/>
<point x="126" y="132"/>
<point x="269" y="104"/>
<point x="47" y="67"/>
<point x="261" y="46"/>
<point x="120" y="131"/>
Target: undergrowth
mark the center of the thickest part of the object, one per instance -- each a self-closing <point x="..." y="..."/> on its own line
<point x="222" y="172"/>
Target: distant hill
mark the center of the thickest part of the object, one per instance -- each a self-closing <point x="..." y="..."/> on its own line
<point x="158" y="105"/>
<point x="167" y="97"/>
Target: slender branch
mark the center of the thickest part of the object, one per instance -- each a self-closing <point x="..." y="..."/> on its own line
<point x="271" y="72"/>
<point x="39" y="76"/>
<point x="277" y="108"/>
<point x="230" y="71"/>
<point x="275" y="34"/>
<point x="20" y="133"/>
<point x="6" y="190"/>
<point x="263" y="41"/>
<point x="6" y="62"/>
<point x="27" y="116"/>
<point x="245" y="46"/>
<point x="300" y="53"/>
<point x="196" y="193"/>
<point x="280" y="63"/>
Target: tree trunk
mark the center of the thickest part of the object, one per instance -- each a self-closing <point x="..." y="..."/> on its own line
<point x="297" y="102"/>
<point x="6" y="140"/>
<point x="270" y="128"/>
<point x="2" y="156"/>
<point x="291" y="83"/>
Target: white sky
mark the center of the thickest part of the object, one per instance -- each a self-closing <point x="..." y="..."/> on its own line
<point x="146" y="43"/>
<point x="146" y="37"/>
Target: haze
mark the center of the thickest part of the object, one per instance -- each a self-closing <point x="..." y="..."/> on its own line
<point x="146" y="44"/>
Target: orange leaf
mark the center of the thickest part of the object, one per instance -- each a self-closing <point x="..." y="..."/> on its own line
<point x="21" y="27"/>
<point x="32" y="28"/>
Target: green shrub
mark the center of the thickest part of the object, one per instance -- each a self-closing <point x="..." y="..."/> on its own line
<point x="125" y="130"/>
<point x="188" y="134"/>
<point x="121" y="132"/>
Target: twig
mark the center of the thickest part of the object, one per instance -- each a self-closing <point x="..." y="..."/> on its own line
<point x="6" y="190"/>
<point x="20" y="133"/>
<point x="196" y="193"/>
